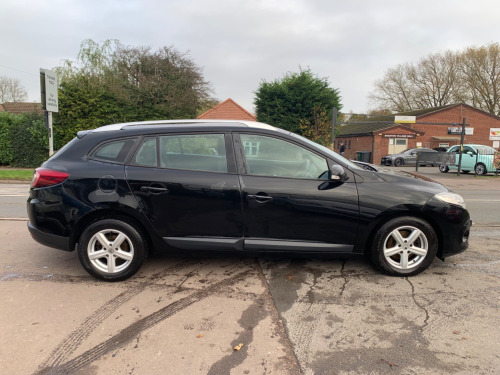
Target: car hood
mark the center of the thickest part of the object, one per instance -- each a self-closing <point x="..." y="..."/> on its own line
<point x="411" y="180"/>
<point x="397" y="176"/>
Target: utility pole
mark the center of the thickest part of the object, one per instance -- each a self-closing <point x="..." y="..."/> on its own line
<point x="334" y="122"/>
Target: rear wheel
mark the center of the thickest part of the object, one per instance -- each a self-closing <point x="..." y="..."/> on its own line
<point x="112" y="250"/>
<point x="480" y="168"/>
<point x="443" y="169"/>
<point x="404" y="246"/>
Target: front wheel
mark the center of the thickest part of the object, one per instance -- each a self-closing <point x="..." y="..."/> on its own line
<point x="480" y="168"/>
<point x="443" y="169"/>
<point x="404" y="246"/>
<point x="112" y="250"/>
<point x="398" y="162"/>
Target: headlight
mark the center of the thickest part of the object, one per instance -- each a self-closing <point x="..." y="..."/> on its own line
<point x="451" y="198"/>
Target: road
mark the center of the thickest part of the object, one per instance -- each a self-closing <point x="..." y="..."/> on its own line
<point x="186" y="314"/>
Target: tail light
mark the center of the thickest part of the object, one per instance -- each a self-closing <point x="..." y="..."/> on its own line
<point x="47" y="177"/>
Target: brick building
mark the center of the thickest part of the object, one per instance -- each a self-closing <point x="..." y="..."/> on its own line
<point x="433" y="128"/>
<point x="227" y="110"/>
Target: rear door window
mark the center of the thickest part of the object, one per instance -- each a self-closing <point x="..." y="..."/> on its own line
<point x="146" y="155"/>
<point x="197" y="152"/>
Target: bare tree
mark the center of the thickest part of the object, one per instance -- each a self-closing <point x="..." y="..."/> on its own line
<point x="471" y="77"/>
<point x="434" y="80"/>
<point x="394" y="91"/>
<point x="11" y="90"/>
<point x="480" y="71"/>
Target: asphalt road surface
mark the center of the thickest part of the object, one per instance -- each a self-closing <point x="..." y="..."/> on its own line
<point x="187" y="314"/>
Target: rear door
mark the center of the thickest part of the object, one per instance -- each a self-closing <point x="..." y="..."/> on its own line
<point x="288" y="202"/>
<point x="187" y="186"/>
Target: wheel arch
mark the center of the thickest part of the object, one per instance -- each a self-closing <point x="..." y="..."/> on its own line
<point x="109" y="213"/>
<point x="415" y="214"/>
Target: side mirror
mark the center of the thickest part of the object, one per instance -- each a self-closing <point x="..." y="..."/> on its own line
<point x="337" y="173"/>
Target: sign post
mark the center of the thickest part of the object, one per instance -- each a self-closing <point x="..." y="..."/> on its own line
<point x="50" y="102"/>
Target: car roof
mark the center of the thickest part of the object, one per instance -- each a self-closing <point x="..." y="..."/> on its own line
<point x="191" y="123"/>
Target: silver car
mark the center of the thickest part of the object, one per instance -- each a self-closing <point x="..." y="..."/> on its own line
<point x="407" y="157"/>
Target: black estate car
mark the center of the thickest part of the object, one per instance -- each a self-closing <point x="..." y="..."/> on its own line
<point x="120" y="191"/>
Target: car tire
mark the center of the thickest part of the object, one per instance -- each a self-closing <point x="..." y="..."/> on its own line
<point x="480" y="168"/>
<point x="443" y="169"/>
<point x="404" y="246"/>
<point x="399" y="162"/>
<point x="112" y="250"/>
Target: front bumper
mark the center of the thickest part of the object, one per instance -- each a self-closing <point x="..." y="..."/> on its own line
<point x="386" y="161"/>
<point x="453" y="225"/>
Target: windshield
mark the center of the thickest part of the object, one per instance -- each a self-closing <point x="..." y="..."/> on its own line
<point x="332" y="154"/>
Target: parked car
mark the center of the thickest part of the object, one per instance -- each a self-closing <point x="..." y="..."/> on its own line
<point x="477" y="158"/>
<point x="407" y="157"/>
<point x="117" y="192"/>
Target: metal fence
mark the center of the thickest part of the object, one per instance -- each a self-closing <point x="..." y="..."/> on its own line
<point x="482" y="161"/>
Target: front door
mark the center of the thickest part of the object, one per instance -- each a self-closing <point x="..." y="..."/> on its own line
<point x="288" y="202"/>
<point x="397" y="145"/>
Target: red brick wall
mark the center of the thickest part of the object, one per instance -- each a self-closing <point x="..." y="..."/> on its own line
<point x="377" y="145"/>
<point x="480" y="121"/>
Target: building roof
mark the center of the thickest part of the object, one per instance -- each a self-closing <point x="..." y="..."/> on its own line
<point x="368" y="128"/>
<point x="227" y="110"/>
<point x="380" y="123"/>
<point x="21" y="107"/>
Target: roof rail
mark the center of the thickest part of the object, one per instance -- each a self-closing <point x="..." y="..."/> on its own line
<point x="121" y="126"/>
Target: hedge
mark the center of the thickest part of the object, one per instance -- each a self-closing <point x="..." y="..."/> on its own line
<point x="24" y="140"/>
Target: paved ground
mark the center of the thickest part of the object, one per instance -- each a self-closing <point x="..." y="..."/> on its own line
<point x="186" y="314"/>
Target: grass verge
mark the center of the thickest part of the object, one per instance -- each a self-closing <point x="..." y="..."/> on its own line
<point x="16" y="174"/>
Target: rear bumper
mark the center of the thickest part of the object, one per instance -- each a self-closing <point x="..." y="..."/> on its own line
<point x="51" y="240"/>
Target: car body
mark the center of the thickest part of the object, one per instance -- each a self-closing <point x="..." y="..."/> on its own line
<point x="406" y="157"/>
<point x="117" y="192"/>
<point x="477" y="158"/>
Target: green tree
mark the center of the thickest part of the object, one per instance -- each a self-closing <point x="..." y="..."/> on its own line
<point x="299" y="102"/>
<point x="111" y="83"/>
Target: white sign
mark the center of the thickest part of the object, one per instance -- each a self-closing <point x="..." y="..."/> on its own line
<point x="458" y="130"/>
<point x="405" y="119"/>
<point x="496" y="144"/>
<point x="51" y="100"/>
<point x="494" y="134"/>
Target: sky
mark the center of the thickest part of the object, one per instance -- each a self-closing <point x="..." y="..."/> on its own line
<point x="240" y="43"/>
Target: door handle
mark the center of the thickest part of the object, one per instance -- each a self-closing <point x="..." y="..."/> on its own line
<point x="154" y="190"/>
<point x="259" y="197"/>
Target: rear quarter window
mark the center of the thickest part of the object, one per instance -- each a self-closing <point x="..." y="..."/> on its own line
<point x="114" y="151"/>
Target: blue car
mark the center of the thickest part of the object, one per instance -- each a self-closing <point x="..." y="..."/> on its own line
<point x="477" y="158"/>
